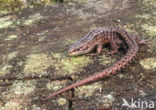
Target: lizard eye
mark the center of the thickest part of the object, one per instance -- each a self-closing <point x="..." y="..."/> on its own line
<point x="78" y="49"/>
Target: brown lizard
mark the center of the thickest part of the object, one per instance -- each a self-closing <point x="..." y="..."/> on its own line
<point x="117" y="37"/>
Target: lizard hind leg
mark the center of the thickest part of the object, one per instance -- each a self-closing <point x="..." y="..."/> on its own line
<point x="114" y="47"/>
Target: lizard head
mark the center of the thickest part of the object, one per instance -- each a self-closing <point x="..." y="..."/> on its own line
<point x="79" y="48"/>
<point x="84" y="45"/>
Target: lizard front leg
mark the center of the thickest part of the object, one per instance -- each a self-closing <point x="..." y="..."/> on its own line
<point x="99" y="48"/>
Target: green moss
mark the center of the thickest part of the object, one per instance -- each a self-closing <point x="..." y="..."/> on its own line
<point x="150" y="29"/>
<point x="106" y="60"/>
<point x="17" y="94"/>
<point x="107" y="99"/>
<point x="9" y="56"/>
<point x="152" y="45"/>
<point x="110" y="97"/>
<point x="9" y="4"/>
<point x="148" y="24"/>
<point x="52" y="2"/>
<point x="42" y="35"/>
<point x="11" y="37"/>
<point x="61" y="101"/>
<point x="12" y="55"/>
<point x="37" y="64"/>
<point x="23" y="88"/>
<point x="56" y="55"/>
<point x="31" y="19"/>
<point x="28" y="22"/>
<point x="11" y="105"/>
<point x="144" y="16"/>
<point x="41" y="38"/>
<point x="4" y="69"/>
<point x="148" y="63"/>
<point x="120" y="75"/>
<point x="87" y="90"/>
<point x="5" y="22"/>
<point x="56" y="85"/>
<point x="68" y="65"/>
<point x="149" y="2"/>
<point x="35" y="107"/>
<point x="4" y="11"/>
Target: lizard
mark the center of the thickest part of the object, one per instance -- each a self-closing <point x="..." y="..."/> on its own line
<point x="96" y="39"/>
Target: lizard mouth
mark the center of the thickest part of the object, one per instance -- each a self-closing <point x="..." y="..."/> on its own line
<point x="70" y="53"/>
<point x="78" y="52"/>
<point x="74" y="53"/>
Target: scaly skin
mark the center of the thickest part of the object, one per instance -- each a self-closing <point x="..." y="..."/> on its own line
<point x="117" y="37"/>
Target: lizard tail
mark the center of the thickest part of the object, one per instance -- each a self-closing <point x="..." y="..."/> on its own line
<point x="79" y="83"/>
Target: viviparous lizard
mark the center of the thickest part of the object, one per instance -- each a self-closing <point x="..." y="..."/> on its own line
<point x="117" y="37"/>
